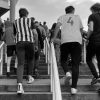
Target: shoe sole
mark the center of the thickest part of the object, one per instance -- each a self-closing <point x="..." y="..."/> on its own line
<point x="30" y="82"/>
<point x="73" y="93"/>
<point x="20" y="93"/>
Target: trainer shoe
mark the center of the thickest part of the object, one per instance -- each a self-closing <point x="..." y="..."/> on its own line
<point x="73" y="91"/>
<point x="8" y="74"/>
<point x="37" y="75"/>
<point x="98" y="90"/>
<point x="30" y="79"/>
<point x="20" y="89"/>
<point x="67" y="78"/>
<point x="95" y="80"/>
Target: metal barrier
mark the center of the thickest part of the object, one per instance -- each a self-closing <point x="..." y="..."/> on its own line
<point x="53" y="70"/>
<point x="1" y="58"/>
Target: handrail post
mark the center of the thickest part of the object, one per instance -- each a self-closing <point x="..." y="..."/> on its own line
<point x="1" y="58"/>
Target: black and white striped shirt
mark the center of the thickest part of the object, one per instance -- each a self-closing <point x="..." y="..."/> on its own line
<point x="23" y="30"/>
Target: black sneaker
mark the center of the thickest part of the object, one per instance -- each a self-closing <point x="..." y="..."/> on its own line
<point x="8" y="74"/>
<point x="15" y="71"/>
<point x="98" y="90"/>
<point x="37" y="75"/>
<point x="95" y="80"/>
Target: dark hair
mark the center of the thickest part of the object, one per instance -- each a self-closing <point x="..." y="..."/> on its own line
<point x="53" y="26"/>
<point x="95" y="7"/>
<point x="23" y="12"/>
<point x="32" y="18"/>
<point x="36" y="22"/>
<point x="69" y="9"/>
<point x="44" y="23"/>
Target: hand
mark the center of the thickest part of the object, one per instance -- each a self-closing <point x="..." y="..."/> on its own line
<point x="52" y="40"/>
<point x="84" y="39"/>
<point x="36" y="48"/>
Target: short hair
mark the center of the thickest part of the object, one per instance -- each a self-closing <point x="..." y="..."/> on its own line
<point x="69" y="9"/>
<point x="53" y="26"/>
<point x="32" y="18"/>
<point x="23" y="12"/>
<point x="95" y="7"/>
<point x="44" y="23"/>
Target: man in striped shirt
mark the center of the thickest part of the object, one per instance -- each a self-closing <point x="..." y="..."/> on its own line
<point x="24" y="47"/>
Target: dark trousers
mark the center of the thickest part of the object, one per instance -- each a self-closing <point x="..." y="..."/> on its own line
<point x="36" y="62"/>
<point x="92" y="50"/>
<point x="74" y="49"/>
<point x="25" y="52"/>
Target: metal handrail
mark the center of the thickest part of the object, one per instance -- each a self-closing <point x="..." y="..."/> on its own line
<point x="1" y="58"/>
<point x="56" y="89"/>
<point x="53" y="70"/>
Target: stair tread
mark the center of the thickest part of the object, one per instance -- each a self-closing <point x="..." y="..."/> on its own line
<point x="3" y="93"/>
<point x="14" y="82"/>
<point x="42" y="82"/>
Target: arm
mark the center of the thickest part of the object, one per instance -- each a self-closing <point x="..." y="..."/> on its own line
<point x="14" y="29"/>
<point x="90" y="29"/>
<point x="56" y="31"/>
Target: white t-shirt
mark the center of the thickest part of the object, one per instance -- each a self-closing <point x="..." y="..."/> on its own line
<point x="70" y="29"/>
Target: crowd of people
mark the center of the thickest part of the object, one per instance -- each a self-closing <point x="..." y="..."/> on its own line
<point x="25" y="37"/>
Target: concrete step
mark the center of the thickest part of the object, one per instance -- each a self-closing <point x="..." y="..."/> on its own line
<point x="83" y="86"/>
<point x="26" y="96"/>
<point x="45" y="76"/>
<point x="39" y="85"/>
<point x="81" y="96"/>
<point x="43" y="69"/>
<point x="48" y="96"/>
<point x="41" y="72"/>
<point x="43" y="85"/>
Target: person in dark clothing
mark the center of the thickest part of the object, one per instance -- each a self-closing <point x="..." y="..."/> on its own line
<point x="38" y="46"/>
<point x="1" y="29"/>
<point x="93" y="35"/>
<point x="57" y="42"/>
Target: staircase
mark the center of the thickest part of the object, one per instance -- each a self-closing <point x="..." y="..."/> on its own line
<point x="40" y="88"/>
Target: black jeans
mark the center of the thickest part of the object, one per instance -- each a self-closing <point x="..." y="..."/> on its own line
<point x="74" y="49"/>
<point x="92" y="50"/>
<point x="25" y="52"/>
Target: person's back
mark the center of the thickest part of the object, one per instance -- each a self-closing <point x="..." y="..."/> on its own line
<point x="95" y="37"/>
<point x="70" y="29"/>
<point x="71" y="40"/>
<point x="42" y="30"/>
<point x="23" y="29"/>
<point x="9" y="37"/>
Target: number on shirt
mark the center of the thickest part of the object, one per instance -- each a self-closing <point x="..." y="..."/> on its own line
<point x="70" y="21"/>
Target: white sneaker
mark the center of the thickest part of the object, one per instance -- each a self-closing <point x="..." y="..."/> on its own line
<point x="30" y="79"/>
<point x="67" y="77"/>
<point x="20" y="89"/>
<point x="73" y="91"/>
<point x="68" y="74"/>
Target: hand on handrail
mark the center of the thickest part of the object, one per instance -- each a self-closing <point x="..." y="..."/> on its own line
<point x="52" y="40"/>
